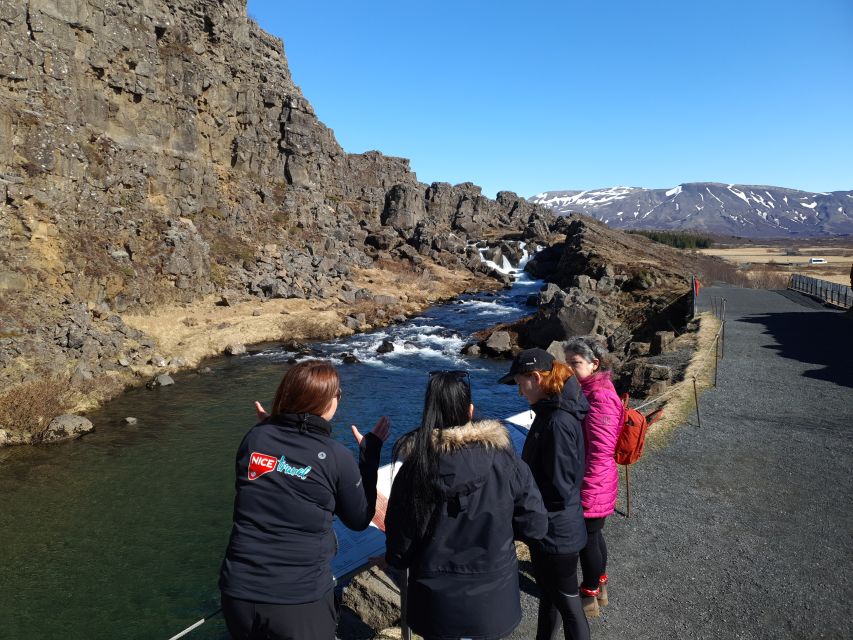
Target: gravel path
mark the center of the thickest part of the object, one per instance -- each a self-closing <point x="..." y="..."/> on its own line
<point x="742" y="529"/>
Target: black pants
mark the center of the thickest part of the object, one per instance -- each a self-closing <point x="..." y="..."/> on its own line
<point x="557" y="578"/>
<point x="248" y="620"/>
<point x="594" y="554"/>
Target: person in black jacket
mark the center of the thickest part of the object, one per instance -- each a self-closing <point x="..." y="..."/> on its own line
<point x="458" y="502"/>
<point x="554" y="450"/>
<point x="292" y="479"/>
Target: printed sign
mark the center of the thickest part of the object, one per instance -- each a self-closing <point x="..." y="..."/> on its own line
<point x="259" y="464"/>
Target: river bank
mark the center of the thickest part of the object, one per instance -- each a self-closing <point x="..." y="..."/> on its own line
<point x="135" y="517"/>
<point x="182" y="336"/>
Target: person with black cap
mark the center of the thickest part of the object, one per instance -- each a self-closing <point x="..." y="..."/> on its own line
<point x="554" y="450"/>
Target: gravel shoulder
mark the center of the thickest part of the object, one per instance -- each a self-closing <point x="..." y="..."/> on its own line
<point x="742" y="528"/>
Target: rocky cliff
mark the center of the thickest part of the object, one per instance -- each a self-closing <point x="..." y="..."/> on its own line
<point x="157" y="152"/>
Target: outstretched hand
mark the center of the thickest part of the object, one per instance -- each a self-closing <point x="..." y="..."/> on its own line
<point x="380" y="430"/>
<point x="262" y="413"/>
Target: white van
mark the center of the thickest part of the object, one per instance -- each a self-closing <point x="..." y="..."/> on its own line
<point x="817" y="261"/>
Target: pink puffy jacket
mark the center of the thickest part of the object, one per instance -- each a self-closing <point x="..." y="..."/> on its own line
<point x="601" y="429"/>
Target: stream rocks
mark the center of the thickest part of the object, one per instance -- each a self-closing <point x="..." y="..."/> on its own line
<point x="66" y="427"/>
<point x="159" y="153"/>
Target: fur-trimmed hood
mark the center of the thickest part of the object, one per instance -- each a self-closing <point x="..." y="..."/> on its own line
<point x="490" y="433"/>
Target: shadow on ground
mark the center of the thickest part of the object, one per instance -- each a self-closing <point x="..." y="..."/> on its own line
<point x="823" y="338"/>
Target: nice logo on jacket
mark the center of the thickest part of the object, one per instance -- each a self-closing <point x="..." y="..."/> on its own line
<point x="261" y="463"/>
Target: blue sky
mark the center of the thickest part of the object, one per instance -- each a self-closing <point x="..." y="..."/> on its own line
<point x="577" y="95"/>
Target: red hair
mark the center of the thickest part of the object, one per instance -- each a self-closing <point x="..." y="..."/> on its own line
<point x="551" y="382"/>
<point x="307" y="387"/>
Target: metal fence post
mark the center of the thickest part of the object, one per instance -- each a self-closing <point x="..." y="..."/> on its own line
<point x="716" y="358"/>
<point x="696" y="398"/>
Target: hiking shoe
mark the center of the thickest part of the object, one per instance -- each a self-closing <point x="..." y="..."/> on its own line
<point x="603" y="601"/>
<point x="589" y="601"/>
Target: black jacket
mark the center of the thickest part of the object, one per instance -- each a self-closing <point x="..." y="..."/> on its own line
<point x="292" y="478"/>
<point x="554" y="450"/>
<point x="463" y="580"/>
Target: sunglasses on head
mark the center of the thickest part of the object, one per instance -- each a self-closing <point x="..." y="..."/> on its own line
<point x="456" y="374"/>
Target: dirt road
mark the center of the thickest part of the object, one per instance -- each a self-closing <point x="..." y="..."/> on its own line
<point x="742" y="529"/>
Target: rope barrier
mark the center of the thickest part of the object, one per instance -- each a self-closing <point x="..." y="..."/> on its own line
<point x="678" y="385"/>
<point x="195" y="625"/>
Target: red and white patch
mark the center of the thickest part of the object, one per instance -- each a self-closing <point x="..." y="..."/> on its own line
<point x="259" y="464"/>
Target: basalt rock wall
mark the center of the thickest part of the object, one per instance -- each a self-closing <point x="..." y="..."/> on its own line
<point x="156" y="151"/>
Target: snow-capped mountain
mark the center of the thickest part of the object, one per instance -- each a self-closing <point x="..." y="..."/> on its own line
<point x="711" y="207"/>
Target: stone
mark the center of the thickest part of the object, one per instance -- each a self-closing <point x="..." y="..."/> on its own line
<point x="66" y="427"/>
<point x="471" y="350"/>
<point x="639" y="348"/>
<point x="658" y="372"/>
<point x="124" y="362"/>
<point x="499" y="342"/>
<point x="657" y="388"/>
<point x="557" y="349"/>
<point x="234" y="349"/>
<point x="385" y="301"/>
<point x="130" y="420"/>
<point x="349" y="358"/>
<point x="386" y="347"/>
<point x="163" y="380"/>
<point x="256" y="313"/>
<point x="375" y="598"/>
<point x="352" y="323"/>
<point x="662" y="342"/>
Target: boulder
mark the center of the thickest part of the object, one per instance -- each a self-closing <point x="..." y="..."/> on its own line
<point x="658" y="372"/>
<point x="66" y="427"/>
<point x="349" y="358"/>
<point x="234" y="349"/>
<point x="386" y="347"/>
<point x="639" y="348"/>
<point x="662" y="342"/>
<point x="385" y="301"/>
<point x="163" y="380"/>
<point x="557" y="349"/>
<point x="499" y="342"/>
<point x="471" y="350"/>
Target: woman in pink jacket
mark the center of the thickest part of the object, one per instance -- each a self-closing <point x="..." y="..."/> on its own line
<point x="591" y="363"/>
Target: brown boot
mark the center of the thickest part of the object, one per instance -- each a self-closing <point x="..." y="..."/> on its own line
<point x="589" y="601"/>
<point x="602" y="591"/>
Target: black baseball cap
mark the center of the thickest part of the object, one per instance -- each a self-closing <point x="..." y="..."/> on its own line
<point x="527" y="361"/>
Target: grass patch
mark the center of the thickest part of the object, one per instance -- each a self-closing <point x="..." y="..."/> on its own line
<point x="28" y="408"/>
<point x="680" y="407"/>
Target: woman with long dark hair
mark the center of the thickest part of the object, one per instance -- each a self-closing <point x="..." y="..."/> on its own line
<point x="591" y="363"/>
<point x="555" y="452"/>
<point x="458" y="502"/>
<point x="292" y="479"/>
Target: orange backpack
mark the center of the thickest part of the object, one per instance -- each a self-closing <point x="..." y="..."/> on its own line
<point x="629" y="445"/>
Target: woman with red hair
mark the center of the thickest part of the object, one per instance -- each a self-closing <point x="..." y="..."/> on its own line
<point x="293" y="478"/>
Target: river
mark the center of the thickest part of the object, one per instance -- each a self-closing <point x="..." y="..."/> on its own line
<point x="120" y="533"/>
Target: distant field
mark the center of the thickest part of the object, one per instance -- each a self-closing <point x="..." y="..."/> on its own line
<point x="839" y="259"/>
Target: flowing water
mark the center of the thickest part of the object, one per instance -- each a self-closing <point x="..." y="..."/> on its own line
<point x="120" y="534"/>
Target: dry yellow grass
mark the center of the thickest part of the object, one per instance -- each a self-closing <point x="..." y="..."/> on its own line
<point x="680" y="405"/>
<point x="202" y="328"/>
<point x="837" y="269"/>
